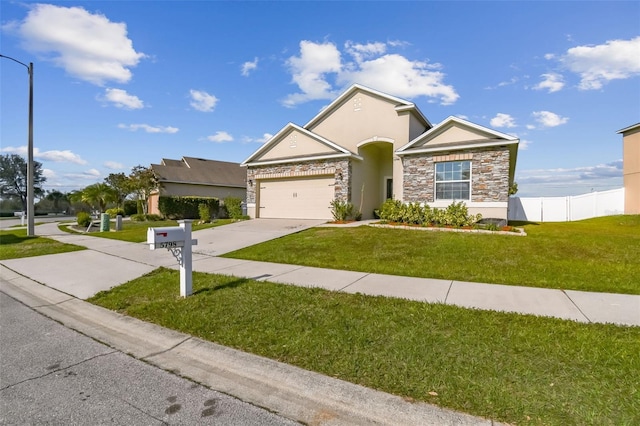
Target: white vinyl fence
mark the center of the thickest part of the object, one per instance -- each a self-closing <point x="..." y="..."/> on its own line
<point x="567" y="209"/>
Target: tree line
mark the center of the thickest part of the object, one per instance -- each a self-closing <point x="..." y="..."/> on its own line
<point x="112" y="191"/>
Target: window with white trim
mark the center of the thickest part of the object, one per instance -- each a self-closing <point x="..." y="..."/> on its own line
<point x="453" y="180"/>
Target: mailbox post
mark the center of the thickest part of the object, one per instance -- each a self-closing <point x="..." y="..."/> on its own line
<point x="176" y="239"/>
<point x="186" y="270"/>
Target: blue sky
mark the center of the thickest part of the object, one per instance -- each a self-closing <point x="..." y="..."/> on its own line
<point x="118" y="84"/>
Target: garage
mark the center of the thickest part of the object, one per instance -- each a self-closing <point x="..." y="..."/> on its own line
<point x="301" y="198"/>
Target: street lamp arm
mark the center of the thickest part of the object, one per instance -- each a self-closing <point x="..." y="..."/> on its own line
<point x="30" y="166"/>
<point x="15" y="60"/>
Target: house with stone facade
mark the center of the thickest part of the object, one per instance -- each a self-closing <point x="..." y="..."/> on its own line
<point x="367" y="146"/>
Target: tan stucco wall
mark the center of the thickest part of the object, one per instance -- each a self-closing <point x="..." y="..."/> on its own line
<point x="152" y="204"/>
<point x="416" y="128"/>
<point x="631" y="171"/>
<point x="296" y="144"/>
<point x="456" y="134"/>
<point x="361" y="117"/>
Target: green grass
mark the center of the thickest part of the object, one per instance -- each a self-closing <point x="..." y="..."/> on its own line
<point x="513" y="368"/>
<point x="136" y="232"/>
<point x="14" y="243"/>
<point x="598" y="254"/>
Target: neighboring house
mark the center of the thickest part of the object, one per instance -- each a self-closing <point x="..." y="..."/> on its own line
<point x="197" y="177"/>
<point x="366" y="147"/>
<point x="631" y="168"/>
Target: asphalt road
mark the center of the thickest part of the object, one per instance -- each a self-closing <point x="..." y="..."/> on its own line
<point x="6" y="223"/>
<point x="50" y="374"/>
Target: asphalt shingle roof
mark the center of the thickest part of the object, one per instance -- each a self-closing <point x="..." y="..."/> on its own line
<point x="200" y="171"/>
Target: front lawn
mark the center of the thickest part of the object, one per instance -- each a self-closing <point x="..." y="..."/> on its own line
<point x="14" y="243"/>
<point x="599" y="254"/>
<point x="136" y="232"/>
<point x="513" y="368"/>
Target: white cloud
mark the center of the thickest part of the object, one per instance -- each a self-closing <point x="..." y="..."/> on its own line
<point x="569" y="181"/>
<point x="503" y="120"/>
<point x="395" y="74"/>
<point x="524" y="144"/>
<point x="220" y="137"/>
<point x="552" y="82"/>
<point x="598" y="65"/>
<point x="49" y="174"/>
<point x="248" y="67"/>
<point x="548" y="119"/>
<point x="309" y="72"/>
<point x="88" y="174"/>
<point x="360" y="52"/>
<point x="121" y="99"/>
<point x="113" y="165"/>
<point x="265" y="137"/>
<point x="370" y="65"/>
<point x="202" y="101"/>
<point x="149" y="129"/>
<point x="88" y="46"/>
<point x="65" y="156"/>
<point x="511" y="81"/>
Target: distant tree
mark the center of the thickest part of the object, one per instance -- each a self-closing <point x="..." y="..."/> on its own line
<point x="98" y="196"/>
<point x="13" y="178"/>
<point x="56" y="197"/>
<point x="513" y="188"/>
<point x="121" y="184"/>
<point x="143" y="181"/>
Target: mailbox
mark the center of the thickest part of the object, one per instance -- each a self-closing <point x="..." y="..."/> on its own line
<point x="168" y="237"/>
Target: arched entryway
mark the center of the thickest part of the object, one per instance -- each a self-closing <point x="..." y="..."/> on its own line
<point x="372" y="181"/>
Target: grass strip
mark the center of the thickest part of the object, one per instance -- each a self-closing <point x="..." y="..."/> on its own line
<point x="598" y="254"/>
<point x="14" y="243"/>
<point x="136" y="232"/>
<point x="507" y="367"/>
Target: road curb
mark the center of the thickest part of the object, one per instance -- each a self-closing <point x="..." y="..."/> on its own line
<point x="289" y="391"/>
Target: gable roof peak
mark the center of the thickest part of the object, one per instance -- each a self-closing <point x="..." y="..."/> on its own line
<point x="401" y="104"/>
<point x="448" y="123"/>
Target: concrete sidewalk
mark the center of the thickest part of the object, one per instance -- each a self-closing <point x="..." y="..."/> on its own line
<point x="294" y="393"/>
<point x="109" y="263"/>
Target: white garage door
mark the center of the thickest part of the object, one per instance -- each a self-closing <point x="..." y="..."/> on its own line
<point x="306" y="198"/>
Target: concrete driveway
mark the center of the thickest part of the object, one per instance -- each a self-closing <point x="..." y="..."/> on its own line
<point x="227" y="238"/>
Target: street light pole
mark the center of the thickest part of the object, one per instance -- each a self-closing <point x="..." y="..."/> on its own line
<point x="30" y="168"/>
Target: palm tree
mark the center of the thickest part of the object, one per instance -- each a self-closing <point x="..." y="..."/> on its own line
<point x="56" y="196"/>
<point x="98" y="195"/>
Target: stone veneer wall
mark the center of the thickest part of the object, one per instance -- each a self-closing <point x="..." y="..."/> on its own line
<point x="489" y="174"/>
<point x="300" y="170"/>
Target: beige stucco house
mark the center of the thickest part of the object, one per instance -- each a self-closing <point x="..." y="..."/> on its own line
<point x="197" y="177"/>
<point x="631" y="168"/>
<point x="367" y="146"/>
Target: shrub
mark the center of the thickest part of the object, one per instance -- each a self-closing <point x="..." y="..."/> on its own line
<point x="83" y="219"/>
<point x="115" y="212"/>
<point x="186" y="207"/>
<point x="391" y="211"/>
<point x="130" y="207"/>
<point x="341" y="210"/>
<point x="145" y="217"/>
<point x="233" y="206"/>
<point x="456" y="214"/>
<point x="205" y="212"/>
